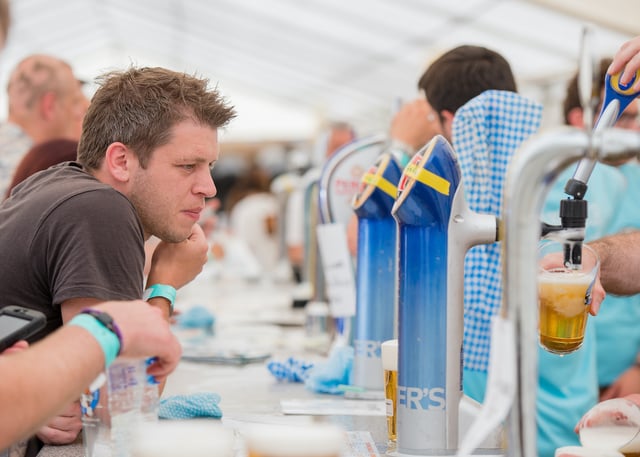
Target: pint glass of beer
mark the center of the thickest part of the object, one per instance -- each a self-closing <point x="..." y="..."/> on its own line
<point x="564" y="293"/>
<point x="612" y="425"/>
<point x="389" y="351"/>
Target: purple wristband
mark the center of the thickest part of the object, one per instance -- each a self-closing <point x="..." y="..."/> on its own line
<point x="106" y="320"/>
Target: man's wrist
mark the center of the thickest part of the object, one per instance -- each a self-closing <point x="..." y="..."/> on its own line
<point x="102" y="327"/>
<point x="163" y="291"/>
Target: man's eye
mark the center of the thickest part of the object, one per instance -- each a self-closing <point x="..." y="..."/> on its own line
<point x="189" y="167"/>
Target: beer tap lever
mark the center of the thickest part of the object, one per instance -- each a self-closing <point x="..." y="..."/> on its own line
<point x="617" y="96"/>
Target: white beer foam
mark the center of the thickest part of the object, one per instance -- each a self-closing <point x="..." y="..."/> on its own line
<point x="609" y="437"/>
<point x="389" y="351"/>
<point x="565" y="277"/>
<point x="578" y="451"/>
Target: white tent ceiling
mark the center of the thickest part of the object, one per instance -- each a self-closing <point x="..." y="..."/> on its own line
<point x="290" y="65"/>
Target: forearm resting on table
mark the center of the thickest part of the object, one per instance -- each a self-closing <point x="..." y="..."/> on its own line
<point x="38" y="383"/>
<point x="619" y="262"/>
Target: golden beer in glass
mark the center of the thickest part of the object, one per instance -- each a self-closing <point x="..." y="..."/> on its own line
<point x="564" y="299"/>
<point x="389" y="351"/>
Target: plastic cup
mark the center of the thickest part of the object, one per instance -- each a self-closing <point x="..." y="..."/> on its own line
<point x="564" y="296"/>
<point x="112" y="409"/>
<point x="612" y="425"/>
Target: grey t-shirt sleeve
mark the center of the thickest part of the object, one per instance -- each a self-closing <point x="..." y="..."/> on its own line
<point x="93" y="247"/>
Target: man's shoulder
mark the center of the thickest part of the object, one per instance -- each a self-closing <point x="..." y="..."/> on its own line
<point x="62" y="179"/>
<point x="68" y="186"/>
<point x="73" y="183"/>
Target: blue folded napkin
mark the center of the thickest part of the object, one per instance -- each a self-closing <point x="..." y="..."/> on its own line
<point x="291" y="370"/>
<point x="328" y="377"/>
<point x="203" y="404"/>
<point x="196" y="317"/>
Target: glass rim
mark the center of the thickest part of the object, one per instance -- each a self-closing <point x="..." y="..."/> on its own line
<point x="544" y="242"/>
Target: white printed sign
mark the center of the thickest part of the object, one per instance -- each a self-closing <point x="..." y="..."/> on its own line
<point x="338" y="269"/>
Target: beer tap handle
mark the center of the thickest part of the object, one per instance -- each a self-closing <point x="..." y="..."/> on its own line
<point x="573" y="210"/>
<point x="617" y="97"/>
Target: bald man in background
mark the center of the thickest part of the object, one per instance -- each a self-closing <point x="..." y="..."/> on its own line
<point x="46" y="103"/>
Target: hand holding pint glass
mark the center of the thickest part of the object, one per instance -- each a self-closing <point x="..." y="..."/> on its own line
<point x="564" y="296"/>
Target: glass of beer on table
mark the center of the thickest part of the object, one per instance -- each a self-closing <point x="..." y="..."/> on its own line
<point x="564" y="294"/>
<point x="389" y="350"/>
<point x="612" y="425"/>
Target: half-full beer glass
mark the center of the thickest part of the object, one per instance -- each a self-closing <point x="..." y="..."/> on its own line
<point x="389" y="350"/>
<point x="564" y="293"/>
<point x="612" y="425"/>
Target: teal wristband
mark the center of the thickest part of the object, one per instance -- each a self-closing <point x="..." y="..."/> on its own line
<point x="107" y="340"/>
<point x="161" y="290"/>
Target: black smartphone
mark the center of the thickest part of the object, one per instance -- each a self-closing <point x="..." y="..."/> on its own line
<point x="18" y="323"/>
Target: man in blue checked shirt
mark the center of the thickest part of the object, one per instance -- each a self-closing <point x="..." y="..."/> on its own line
<point x="472" y="92"/>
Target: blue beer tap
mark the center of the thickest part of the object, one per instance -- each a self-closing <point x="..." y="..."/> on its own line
<point x="435" y="230"/>
<point x="375" y="270"/>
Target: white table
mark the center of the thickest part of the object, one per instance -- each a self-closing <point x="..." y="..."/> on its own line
<point x="249" y="393"/>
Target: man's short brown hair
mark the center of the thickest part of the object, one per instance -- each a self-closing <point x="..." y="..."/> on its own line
<point x="140" y="106"/>
<point x="463" y="73"/>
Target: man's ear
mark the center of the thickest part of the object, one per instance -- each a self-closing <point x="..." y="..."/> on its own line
<point x="47" y="104"/>
<point x="447" y="123"/>
<point x="447" y="116"/>
<point x="119" y="161"/>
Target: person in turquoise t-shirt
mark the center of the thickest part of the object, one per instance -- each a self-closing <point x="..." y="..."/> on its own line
<point x="486" y="128"/>
<point x="617" y="323"/>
